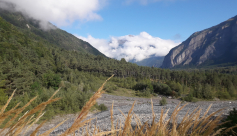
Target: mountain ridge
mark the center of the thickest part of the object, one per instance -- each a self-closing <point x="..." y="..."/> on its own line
<point x="216" y="45"/>
<point x="54" y="36"/>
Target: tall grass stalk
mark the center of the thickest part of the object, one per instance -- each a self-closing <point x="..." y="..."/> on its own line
<point x="191" y="125"/>
<point x="17" y="127"/>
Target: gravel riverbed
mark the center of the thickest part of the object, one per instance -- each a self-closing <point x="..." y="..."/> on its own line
<point x="142" y="109"/>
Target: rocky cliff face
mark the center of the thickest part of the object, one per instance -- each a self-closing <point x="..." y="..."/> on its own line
<point x="215" y="45"/>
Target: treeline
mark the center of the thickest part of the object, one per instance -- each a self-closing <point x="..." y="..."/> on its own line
<point x="196" y="84"/>
<point x="203" y="84"/>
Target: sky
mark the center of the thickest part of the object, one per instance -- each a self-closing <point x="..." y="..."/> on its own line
<point x="130" y="29"/>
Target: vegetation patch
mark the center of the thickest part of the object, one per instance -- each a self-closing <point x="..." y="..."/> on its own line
<point x="163" y="101"/>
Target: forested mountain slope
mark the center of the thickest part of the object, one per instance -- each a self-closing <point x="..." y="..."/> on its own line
<point x="213" y="46"/>
<point x="54" y="36"/>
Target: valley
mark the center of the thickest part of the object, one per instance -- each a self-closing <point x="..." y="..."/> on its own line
<point x="36" y="63"/>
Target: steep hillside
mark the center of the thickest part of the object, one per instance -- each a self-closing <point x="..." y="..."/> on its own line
<point x="54" y="36"/>
<point x="213" y="46"/>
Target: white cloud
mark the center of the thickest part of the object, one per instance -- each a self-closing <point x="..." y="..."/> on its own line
<point x="60" y="12"/>
<point x="131" y="47"/>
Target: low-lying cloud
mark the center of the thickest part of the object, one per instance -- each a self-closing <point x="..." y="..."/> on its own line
<point x="59" y="12"/>
<point x="132" y="47"/>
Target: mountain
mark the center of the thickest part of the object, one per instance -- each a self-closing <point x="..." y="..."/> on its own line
<point x="54" y="36"/>
<point x="150" y="62"/>
<point x="215" y="46"/>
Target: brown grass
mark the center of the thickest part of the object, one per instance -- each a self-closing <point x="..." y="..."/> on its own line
<point x="191" y="125"/>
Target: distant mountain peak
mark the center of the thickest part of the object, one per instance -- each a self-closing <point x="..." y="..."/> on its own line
<point x="213" y="46"/>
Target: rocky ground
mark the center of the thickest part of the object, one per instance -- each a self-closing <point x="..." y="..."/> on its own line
<point x="142" y="109"/>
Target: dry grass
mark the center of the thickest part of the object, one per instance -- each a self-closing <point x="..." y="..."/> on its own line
<point x="191" y="125"/>
<point x="24" y="122"/>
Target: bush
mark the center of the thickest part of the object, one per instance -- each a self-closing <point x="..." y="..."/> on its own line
<point x="102" y="107"/>
<point x="138" y="93"/>
<point x="188" y="98"/>
<point x="110" y="89"/>
<point x="147" y="93"/>
<point x="176" y="87"/>
<point x="140" y="86"/>
<point x="143" y="93"/>
<point x="162" y="89"/>
<point x="163" y="101"/>
<point x="232" y="118"/>
<point x="223" y="95"/>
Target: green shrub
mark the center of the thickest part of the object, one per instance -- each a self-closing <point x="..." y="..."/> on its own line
<point x="232" y="118"/>
<point x="102" y="107"/>
<point x="176" y="87"/>
<point x="110" y="88"/>
<point x="195" y="99"/>
<point x="163" y="101"/>
<point x="138" y="93"/>
<point x="188" y="98"/>
<point x="162" y="89"/>
<point x="223" y="95"/>
<point x="144" y="93"/>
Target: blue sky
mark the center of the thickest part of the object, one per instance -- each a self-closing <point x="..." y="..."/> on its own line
<point x="167" y="19"/>
<point x="156" y="26"/>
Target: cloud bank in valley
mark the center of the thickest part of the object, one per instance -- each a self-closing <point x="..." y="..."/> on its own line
<point x="59" y="12"/>
<point x="132" y="47"/>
